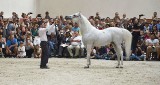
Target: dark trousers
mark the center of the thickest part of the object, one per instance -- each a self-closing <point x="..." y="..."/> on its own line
<point x="29" y="53"/>
<point x="45" y="53"/>
<point x="63" y="51"/>
<point x="136" y="35"/>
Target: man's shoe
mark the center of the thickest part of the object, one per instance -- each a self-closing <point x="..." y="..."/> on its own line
<point x="44" y="67"/>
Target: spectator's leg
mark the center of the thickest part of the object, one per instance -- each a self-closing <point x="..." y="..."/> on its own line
<point x="158" y="52"/>
<point x="15" y="51"/>
<point x="70" y="50"/>
<point x="29" y="53"/>
<point x="77" y="50"/>
<point x="149" y="50"/>
<point x="60" y="51"/>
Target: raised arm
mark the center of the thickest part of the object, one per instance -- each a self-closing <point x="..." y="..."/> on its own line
<point x="49" y="28"/>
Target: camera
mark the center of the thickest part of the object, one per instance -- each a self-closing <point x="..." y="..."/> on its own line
<point x="30" y="13"/>
<point x="153" y="46"/>
<point x="39" y="15"/>
<point x="141" y="15"/>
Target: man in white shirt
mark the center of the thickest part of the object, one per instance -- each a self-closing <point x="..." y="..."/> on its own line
<point x="76" y="42"/>
<point x="44" y="43"/>
<point x="152" y="46"/>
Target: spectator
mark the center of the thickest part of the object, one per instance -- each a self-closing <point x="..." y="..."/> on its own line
<point x="21" y="50"/>
<point x="4" y="28"/>
<point x="37" y="48"/>
<point x="53" y="44"/>
<point x="76" y="27"/>
<point x="11" y="46"/>
<point x="155" y="17"/>
<point x="76" y="41"/>
<point x="152" y="25"/>
<point x="34" y="30"/>
<point x="135" y="34"/>
<point x="14" y="16"/>
<point x="28" y="45"/>
<point x="1" y="15"/>
<point x="97" y="16"/>
<point x="10" y="27"/>
<point x="117" y="19"/>
<point x="2" y="44"/>
<point x="146" y="27"/>
<point x="64" y="44"/>
<point x="107" y="20"/>
<point x="158" y="27"/>
<point x="124" y="22"/>
<point x="139" y="53"/>
<point x="47" y="15"/>
<point x="37" y="51"/>
<point x="152" y="47"/>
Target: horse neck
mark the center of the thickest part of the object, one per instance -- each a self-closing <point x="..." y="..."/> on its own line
<point x="85" y="25"/>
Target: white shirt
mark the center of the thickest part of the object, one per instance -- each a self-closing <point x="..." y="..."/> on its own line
<point x="37" y="40"/>
<point x="22" y="51"/>
<point x="42" y="32"/>
<point x="153" y="42"/>
<point x="77" y="38"/>
<point x="51" y="31"/>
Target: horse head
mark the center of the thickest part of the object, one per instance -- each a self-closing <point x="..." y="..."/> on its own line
<point x="76" y="17"/>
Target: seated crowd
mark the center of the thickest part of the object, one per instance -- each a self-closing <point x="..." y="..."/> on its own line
<point x="19" y="36"/>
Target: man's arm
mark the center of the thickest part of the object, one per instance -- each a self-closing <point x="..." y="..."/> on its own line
<point x="49" y="28"/>
<point x="14" y="45"/>
<point x="157" y="44"/>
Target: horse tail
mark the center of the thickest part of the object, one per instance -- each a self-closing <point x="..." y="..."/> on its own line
<point x="127" y="37"/>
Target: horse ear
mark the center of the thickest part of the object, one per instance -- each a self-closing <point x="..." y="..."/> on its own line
<point x="79" y="14"/>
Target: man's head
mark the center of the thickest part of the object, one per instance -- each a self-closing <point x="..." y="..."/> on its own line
<point x="76" y="33"/>
<point x="76" y="24"/>
<point x="21" y="43"/>
<point x="124" y="15"/>
<point x="97" y="13"/>
<point x="116" y="14"/>
<point x="47" y="13"/>
<point x="1" y="13"/>
<point x="155" y="13"/>
<point x="11" y="36"/>
<point x="43" y="23"/>
<point x="152" y="36"/>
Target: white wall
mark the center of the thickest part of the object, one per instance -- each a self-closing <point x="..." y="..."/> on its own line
<point x="87" y="7"/>
<point x="18" y="6"/>
<point x="104" y="7"/>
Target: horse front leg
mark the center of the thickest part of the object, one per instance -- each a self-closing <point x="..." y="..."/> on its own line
<point x="88" y="56"/>
<point x="119" y="56"/>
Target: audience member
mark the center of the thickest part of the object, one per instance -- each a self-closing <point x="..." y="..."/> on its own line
<point x="76" y="42"/>
<point x="152" y="47"/>
<point x="11" y="46"/>
<point x="21" y="50"/>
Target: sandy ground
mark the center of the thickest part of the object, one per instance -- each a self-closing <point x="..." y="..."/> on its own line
<point x="14" y="71"/>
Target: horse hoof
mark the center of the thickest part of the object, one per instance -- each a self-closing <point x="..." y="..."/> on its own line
<point x="86" y="67"/>
<point x="117" y="66"/>
<point x="121" y="67"/>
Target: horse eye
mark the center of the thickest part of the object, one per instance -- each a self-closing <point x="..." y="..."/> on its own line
<point x="74" y="16"/>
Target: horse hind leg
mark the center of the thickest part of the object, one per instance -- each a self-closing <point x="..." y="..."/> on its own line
<point x="119" y="53"/>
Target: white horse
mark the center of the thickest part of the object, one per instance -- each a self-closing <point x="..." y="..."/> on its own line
<point x="94" y="37"/>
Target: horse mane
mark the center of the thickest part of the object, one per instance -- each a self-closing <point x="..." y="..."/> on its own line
<point x="85" y="19"/>
<point x="84" y="23"/>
